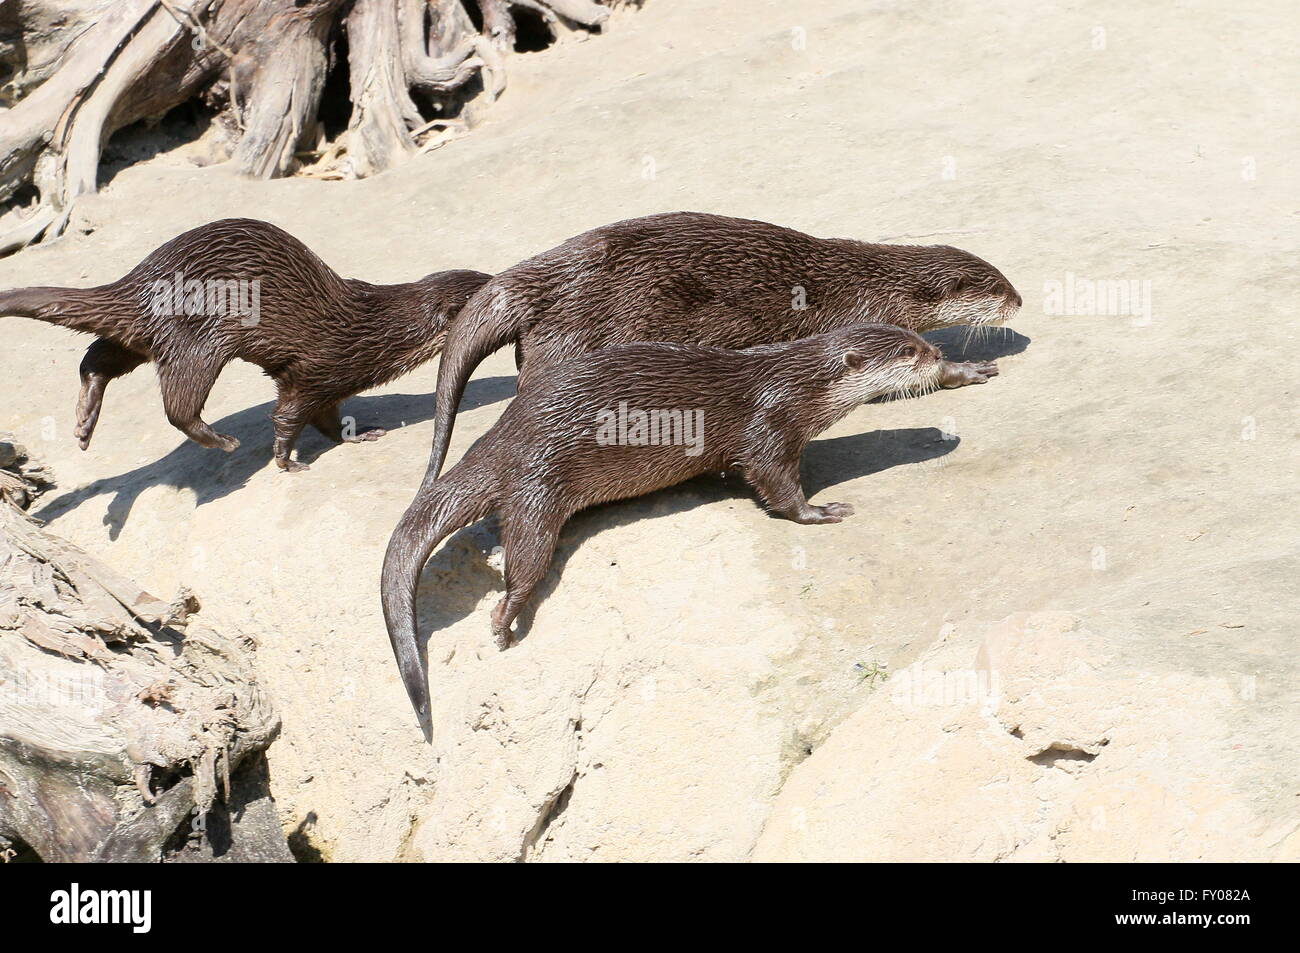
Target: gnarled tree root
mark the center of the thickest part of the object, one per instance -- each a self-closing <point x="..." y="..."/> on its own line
<point x="123" y="719"/>
<point x="261" y="63"/>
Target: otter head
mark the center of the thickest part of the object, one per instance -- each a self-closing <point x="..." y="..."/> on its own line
<point x="443" y="294"/>
<point x="449" y="290"/>
<point x="877" y="359"/>
<point x="950" y="287"/>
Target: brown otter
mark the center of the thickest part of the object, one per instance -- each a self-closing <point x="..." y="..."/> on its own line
<point x="693" y="278"/>
<point x="556" y="449"/>
<point x="241" y="288"/>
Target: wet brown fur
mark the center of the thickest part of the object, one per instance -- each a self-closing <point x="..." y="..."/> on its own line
<point x="320" y="337"/>
<point x="541" y="462"/>
<point x="694" y="278"/>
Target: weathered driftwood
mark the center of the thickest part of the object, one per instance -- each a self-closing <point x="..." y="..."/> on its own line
<point x="123" y="719"/>
<point x="74" y="72"/>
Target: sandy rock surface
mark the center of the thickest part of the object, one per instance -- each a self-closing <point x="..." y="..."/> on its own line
<point x="1039" y="741"/>
<point x="1129" y="478"/>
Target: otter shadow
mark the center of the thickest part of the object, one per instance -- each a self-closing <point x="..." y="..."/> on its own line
<point x="826" y="463"/>
<point x="977" y="344"/>
<point x="212" y="475"/>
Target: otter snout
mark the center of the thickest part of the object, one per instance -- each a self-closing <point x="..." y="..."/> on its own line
<point x="1011" y="303"/>
<point x="919" y="368"/>
<point x="929" y="365"/>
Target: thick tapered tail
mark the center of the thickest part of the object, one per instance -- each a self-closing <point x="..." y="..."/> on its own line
<point x="440" y="508"/>
<point x="485" y="324"/>
<point x="39" y="303"/>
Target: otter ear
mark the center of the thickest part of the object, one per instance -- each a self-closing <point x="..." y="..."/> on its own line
<point x="854" y="360"/>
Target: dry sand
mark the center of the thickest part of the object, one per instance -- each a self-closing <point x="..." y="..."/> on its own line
<point x="1126" y="485"/>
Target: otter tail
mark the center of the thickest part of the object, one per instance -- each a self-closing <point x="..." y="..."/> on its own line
<point x="39" y="303"/>
<point x="486" y="323"/>
<point x="91" y="310"/>
<point x="440" y="508"/>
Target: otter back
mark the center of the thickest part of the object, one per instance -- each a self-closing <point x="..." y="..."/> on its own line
<point x="688" y="277"/>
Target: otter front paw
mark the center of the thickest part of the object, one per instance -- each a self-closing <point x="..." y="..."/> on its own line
<point x="837" y="510"/>
<point x="830" y="513"/>
<point x="365" y="436"/>
<point x="959" y="375"/>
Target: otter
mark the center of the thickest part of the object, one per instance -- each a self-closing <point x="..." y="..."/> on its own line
<point x="694" y="278"/>
<point x="556" y="450"/>
<point x="243" y="288"/>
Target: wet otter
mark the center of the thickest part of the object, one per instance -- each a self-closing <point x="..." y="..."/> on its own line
<point x="693" y="278"/>
<point x="242" y="288"/>
<point x="556" y="450"/>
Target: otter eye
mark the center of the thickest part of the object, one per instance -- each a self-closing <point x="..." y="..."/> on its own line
<point x="909" y="350"/>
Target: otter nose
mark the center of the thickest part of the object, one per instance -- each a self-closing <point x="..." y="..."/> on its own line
<point x="1014" y="298"/>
